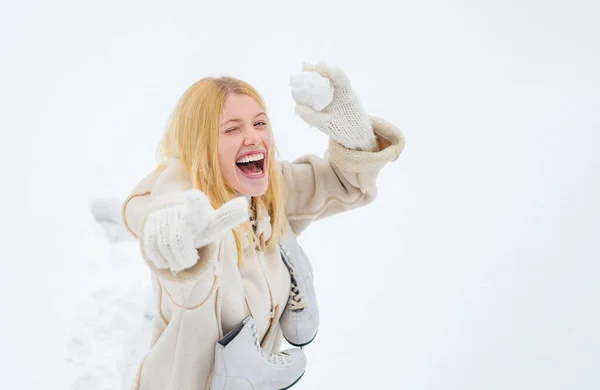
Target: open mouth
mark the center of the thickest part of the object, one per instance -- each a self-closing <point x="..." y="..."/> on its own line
<point x="252" y="165"/>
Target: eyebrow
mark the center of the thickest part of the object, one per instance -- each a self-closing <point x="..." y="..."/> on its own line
<point x="239" y="120"/>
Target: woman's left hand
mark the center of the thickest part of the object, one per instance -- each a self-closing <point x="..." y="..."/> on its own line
<point x="344" y="119"/>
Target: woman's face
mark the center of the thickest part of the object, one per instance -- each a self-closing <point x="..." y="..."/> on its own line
<point x="244" y="145"/>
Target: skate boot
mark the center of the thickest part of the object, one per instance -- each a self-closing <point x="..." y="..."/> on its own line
<point x="240" y="362"/>
<point x="299" y="321"/>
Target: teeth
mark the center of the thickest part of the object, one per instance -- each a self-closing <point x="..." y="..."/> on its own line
<point x="252" y="157"/>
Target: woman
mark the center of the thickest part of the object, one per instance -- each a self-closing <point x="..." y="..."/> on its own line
<point x="210" y="217"/>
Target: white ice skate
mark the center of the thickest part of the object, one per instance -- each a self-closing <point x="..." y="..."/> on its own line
<point x="300" y="319"/>
<point x="241" y="364"/>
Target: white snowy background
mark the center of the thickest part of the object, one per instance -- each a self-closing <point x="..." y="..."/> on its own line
<point x="476" y="268"/>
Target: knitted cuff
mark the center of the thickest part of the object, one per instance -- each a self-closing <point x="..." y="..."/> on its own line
<point x="390" y="141"/>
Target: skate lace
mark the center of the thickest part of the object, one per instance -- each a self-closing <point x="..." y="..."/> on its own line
<point x="295" y="301"/>
<point x="275" y="358"/>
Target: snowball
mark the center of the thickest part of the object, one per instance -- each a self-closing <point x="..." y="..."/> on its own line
<point x="311" y="89"/>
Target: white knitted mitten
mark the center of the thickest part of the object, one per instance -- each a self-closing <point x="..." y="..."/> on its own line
<point x="344" y="119"/>
<point x="172" y="234"/>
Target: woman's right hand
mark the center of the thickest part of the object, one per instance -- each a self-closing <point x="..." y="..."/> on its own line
<point x="171" y="235"/>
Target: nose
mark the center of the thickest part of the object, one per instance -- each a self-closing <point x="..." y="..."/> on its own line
<point x="251" y="137"/>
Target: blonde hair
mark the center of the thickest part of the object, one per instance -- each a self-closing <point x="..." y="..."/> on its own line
<point x="192" y="136"/>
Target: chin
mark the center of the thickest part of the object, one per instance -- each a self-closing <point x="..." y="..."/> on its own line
<point x="255" y="190"/>
<point x="251" y="186"/>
